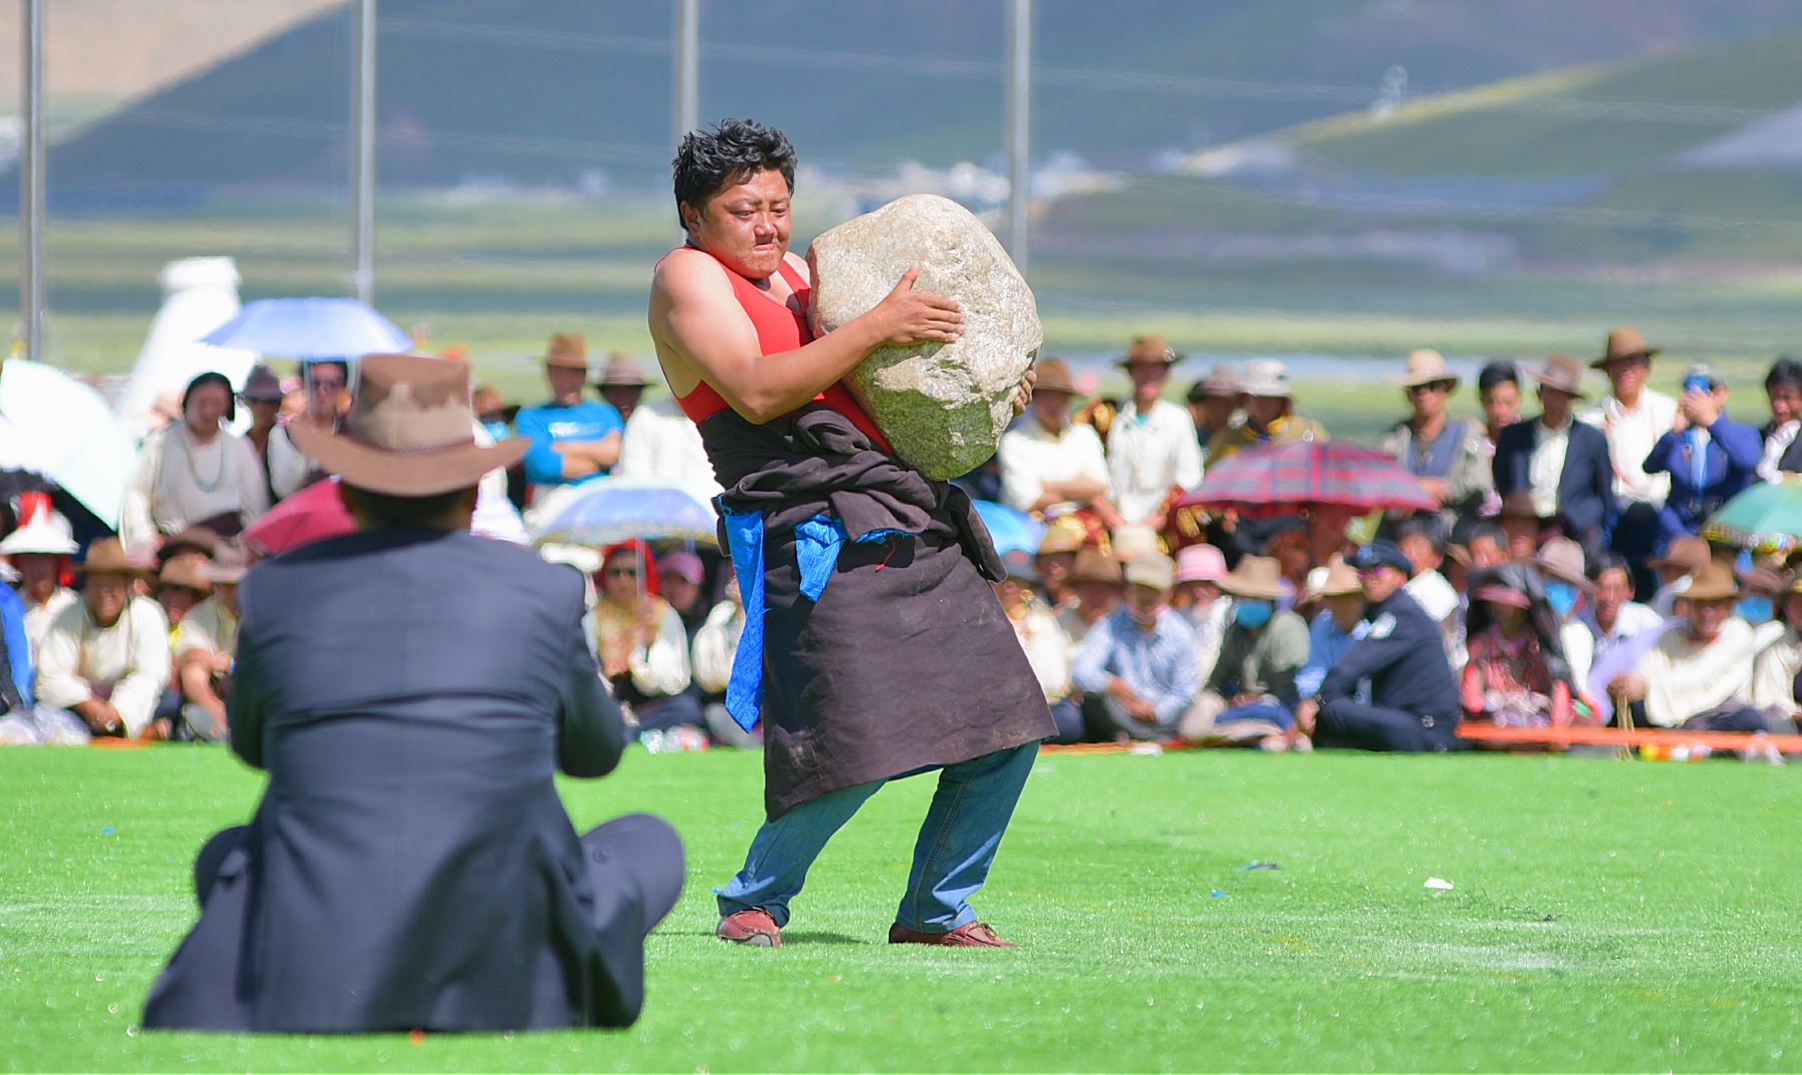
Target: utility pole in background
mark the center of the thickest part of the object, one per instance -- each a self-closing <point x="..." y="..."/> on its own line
<point x="31" y="183"/>
<point x="362" y="151"/>
<point x="685" y="107"/>
<point x="1019" y="128"/>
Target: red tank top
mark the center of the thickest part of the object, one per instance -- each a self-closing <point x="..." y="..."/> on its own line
<point x="779" y="329"/>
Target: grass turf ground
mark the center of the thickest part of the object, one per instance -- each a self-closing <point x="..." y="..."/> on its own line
<point x="1607" y="915"/>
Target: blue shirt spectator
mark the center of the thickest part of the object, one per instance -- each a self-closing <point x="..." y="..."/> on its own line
<point x="548" y="423"/>
<point x="1159" y="665"/>
<point x="1709" y="460"/>
<point x="1326" y="644"/>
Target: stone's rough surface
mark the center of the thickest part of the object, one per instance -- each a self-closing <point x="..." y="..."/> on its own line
<point x="943" y="407"/>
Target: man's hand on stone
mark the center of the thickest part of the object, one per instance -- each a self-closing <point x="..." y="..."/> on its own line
<point x="907" y="317"/>
<point x="1023" y="394"/>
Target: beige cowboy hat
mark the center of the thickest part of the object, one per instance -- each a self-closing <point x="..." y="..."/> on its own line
<point x="410" y="430"/>
<point x="1562" y="559"/>
<point x="1686" y="552"/>
<point x="1623" y="342"/>
<point x="184" y="574"/>
<point x="1152" y="569"/>
<point x="567" y="351"/>
<point x="1337" y="579"/>
<point x="621" y="371"/>
<point x="1255" y="576"/>
<point x="1094" y="566"/>
<point x="106" y="556"/>
<point x="1562" y="373"/>
<point x="1054" y="376"/>
<point x="1426" y="367"/>
<point x="1150" y="349"/>
<point x="228" y="567"/>
<point x="1713" y="581"/>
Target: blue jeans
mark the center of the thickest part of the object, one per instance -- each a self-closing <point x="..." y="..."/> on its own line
<point x="957" y="843"/>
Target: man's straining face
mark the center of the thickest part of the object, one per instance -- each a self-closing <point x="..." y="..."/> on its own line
<point x="745" y="225"/>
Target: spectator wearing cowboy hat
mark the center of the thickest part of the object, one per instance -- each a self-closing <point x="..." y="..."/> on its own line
<point x="1050" y="466"/>
<point x="411" y="689"/>
<point x="1632" y="417"/>
<point x="1334" y="627"/>
<point x="1699" y="674"/>
<point x="1568" y="592"/>
<point x="106" y="657"/>
<point x="1445" y="453"/>
<point x="262" y="394"/>
<point x="1214" y="406"/>
<point x="571" y="438"/>
<point x="660" y="442"/>
<point x="39" y="551"/>
<point x="1562" y="463"/>
<point x="1136" y="668"/>
<point x="1682" y="558"/>
<point x="206" y="644"/>
<point x="1250" y="694"/>
<point x="1095" y="581"/>
<point x="1151" y="446"/>
<point x="1269" y="405"/>
<point x="1708" y="456"/>
<point x="1052" y="563"/>
<point x="1048" y="648"/>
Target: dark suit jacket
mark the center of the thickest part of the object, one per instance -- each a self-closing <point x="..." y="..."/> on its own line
<point x="1585" y="489"/>
<point x="411" y="694"/>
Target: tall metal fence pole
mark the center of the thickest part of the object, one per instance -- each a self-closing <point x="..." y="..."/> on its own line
<point x="362" y="151"/>
<point x="685" y="104"/>
<point x="1019" y="129"/>
<point x="31" y="183"/>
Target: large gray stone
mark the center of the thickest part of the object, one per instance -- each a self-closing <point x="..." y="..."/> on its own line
<point x="943" y="407"/>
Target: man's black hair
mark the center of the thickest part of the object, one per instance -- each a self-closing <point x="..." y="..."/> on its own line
<point x="712" y="159"/>
<point x="1498" y="372"/>
<point x="1606" y="562"/>
<point x="1424" y="526"/>
<point x="385" y="510"/>
<point x="1786" y="372"/>
<point x="1490" y="529"/>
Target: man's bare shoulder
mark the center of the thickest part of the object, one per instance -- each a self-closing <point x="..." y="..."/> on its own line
<point x="688" y="271"/>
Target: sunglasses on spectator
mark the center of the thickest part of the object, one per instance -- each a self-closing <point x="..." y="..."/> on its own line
<point x="1430" y="386"/>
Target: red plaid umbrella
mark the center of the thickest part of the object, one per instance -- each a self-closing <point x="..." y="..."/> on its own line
<point x="1307" y="473"/>
<point x="313" y="514"/>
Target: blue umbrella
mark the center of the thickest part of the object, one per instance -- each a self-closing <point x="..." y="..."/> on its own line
<point x="310" y="329"/>
<point x="1012" y="531"/>
<point x="606" y="511"/>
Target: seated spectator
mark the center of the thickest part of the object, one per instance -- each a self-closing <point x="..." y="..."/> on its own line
<point x="191" y="547"/>
<point x="327" y="394"/>
<point x="1422" y="540"/>
<point x="1776" y="667"/>
<point x="1562" y="463"/>
<point x="106" y="657"/>
<point x="1136" y="668"/>
<point x="1515" y="676"/>
<point x="1095" y="583"/>
<point x="1199" y="569"/>
<point x="1047" y="647"/>
<point x="1782" y="448"/>
<point x="262" y="395"/>
<point x="1523" y="526"/>
<point x="1613" y="616"/>
<point x="39" y="551"/>
<point x="1485" y="545"/>
<point x="1250" y="697"/>
<point x="496" y="416"/>
<point x="573" y="439"/>
<point x="642" y="646"/>
<point x="1151" y="448"/>
<point x="1334" y="627"/>
<point x="1445" y="453"/>
<point x="1567" y="590"/>
<point x="1055" y="558"/>
<point x="1051" y="467"/>
<point x="680" y="576"/>
<point x="714" y="646"/>
<point x="1699" y="675"/>
<point x="1709" y="456"/>
<point x="1270" y="416"/>
<point x="622" y="384"/>
<point x="1413" y="697"/>
<point x="1214" y="405"/>
<point x="206" y="644"/>
<point x="194" y="472"/>
<point x="179" y="587"/>
<point x="1685" y="556"/>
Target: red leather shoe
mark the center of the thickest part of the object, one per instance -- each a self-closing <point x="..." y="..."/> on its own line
<point x="968" y="935"/>
<point x="752" y="926"/>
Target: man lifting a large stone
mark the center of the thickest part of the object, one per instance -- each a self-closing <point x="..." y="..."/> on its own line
<point x="874" y="647"/>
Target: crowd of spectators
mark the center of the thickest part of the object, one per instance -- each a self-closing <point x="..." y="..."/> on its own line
<point x="1564" y="577"/>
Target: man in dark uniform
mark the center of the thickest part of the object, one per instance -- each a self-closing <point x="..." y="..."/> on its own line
<point x="1414" y="699"/>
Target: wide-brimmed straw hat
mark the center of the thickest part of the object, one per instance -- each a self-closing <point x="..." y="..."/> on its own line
<point x="1686" y="552"/>
<point x="1256" y="577"/>
<point x="1337" y="579"/>
<point x="1713" y="581"/>
<point x="1059" y="539"/>
<point x="1426" y="367"/>
<point x="228" y="567"/>
<point x="1561" y="373"/>
<point x="410" y="431"/>
<point x="1149" y="350"/>
<point x="1093" y="565"/>
<point x="184" y="574"/>
<point x="1054" y="376"/>
<point x="1152" y="569"/>
<point x="1562" y="559"/>
<point x="1222" y="382"/>
<point x="1623" y="342"/>
<point x="46" y="532"/>
<point x="567" y="351"/>
<point x="621" y="371"/>
<point x="106" y="556"/>
<point x="262" y="386"/>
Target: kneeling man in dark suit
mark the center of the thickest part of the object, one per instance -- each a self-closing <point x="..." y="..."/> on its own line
<point x="411" y="690"/>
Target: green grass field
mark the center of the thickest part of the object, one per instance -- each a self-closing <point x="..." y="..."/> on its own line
<point x="1607" y="915"/>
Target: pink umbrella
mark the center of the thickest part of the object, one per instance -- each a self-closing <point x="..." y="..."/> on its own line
<point x="1309" y="474"/>
<point x="313" y="514"/>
